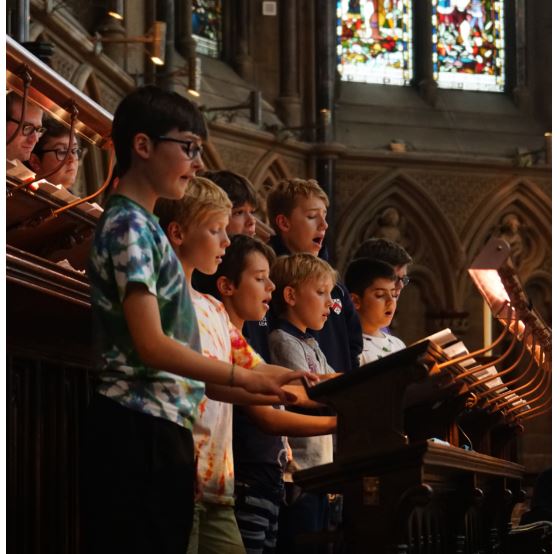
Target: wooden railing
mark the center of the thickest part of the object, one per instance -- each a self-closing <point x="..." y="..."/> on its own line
<point x="48" y="339"/>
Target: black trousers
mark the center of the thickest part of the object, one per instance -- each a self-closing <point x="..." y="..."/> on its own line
<point x="137" y="482"/>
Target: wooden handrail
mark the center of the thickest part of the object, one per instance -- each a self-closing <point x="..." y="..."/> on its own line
<point x="56" y="95"/>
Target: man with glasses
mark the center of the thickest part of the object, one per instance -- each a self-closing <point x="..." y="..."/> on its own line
<point x="51" y="150"/>
<point x="21" y="146"/>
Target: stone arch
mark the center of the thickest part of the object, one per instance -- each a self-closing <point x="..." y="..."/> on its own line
<point x="82" y="75"/>
<point x="435" y="247"/>
<point x="211" y="157"/>
<point x="533" y="207"/>
<point x="268" y="171"/>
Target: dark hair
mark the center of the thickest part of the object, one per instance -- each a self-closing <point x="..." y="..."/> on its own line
<point x="234" y="260"/>
<point x="238" y="188"/>
<point x="11" y="99"/>
<point x="153" y="111"/>
<point x="55" y="129"/>
<point x="363" y="271"/>
<point x="385" y="250"/>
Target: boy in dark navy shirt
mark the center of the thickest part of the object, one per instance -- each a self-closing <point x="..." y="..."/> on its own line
<point x="297" y="210"/>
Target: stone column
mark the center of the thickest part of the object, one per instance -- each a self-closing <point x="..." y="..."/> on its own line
<point x="518" y="72"/>
<point x="325" y="56"/>
<point x="289" y="102"/>
<point x="22" y="27"/>
<point x="112" y="29"/>
<point x="243" y="61"/>
<point x="423" y="47"/>
<point x="186" y="45"/>
<point x="165" y="10"/>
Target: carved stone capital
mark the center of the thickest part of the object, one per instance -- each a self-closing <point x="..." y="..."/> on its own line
<point x="428" y="91"/>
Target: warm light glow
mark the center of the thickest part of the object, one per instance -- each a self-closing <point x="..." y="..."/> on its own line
<point x="116" y="15"/>
<point x="157" y="49"/>
<point x="490" y="285"/>
<point x="193" y="92"/>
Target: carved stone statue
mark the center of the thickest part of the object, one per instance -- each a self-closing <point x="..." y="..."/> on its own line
<point x="389" y="225"/>
<point x="510" y="230"/>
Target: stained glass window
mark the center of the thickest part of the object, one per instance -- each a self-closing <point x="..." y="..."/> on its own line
<point x="207" y="26"/>
<point x="375" y="41"/>
<point x="468" y="42"/>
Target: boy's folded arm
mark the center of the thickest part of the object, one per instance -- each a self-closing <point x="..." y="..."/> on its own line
<point x="160" y="352"/>
<point x="281" y="422"/>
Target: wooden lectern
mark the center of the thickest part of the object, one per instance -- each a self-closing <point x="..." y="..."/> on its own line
<point x="425" y="444"/>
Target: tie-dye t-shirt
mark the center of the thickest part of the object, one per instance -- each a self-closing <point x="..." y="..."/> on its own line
<point x="130" y="247"/>
<point x="212" y="431"/>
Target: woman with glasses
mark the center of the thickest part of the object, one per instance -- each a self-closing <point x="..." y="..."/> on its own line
<point x="53" y="151"/>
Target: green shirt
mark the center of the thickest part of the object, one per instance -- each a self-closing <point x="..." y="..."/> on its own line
<point x="131" y="247"/>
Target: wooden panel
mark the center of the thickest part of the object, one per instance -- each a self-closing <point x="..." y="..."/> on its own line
<point x="45" y="414"/>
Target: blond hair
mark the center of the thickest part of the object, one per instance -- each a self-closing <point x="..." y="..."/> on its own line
<point x="202" y="198"/>
<point x="282" y="197"/>
<point x="293" y="270"/>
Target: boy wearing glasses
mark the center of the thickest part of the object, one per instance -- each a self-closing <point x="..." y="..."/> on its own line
<point x="51" y="150"/>
<point x="389" y="252"/>
<point x="373" y="289"/>
<point x="21" y="145"/>
<point x="139" y="467"/>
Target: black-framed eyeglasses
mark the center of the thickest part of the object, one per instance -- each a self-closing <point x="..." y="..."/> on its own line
<point x="189" y="147"/>
<point x="28" y="128"/>
<point x="405" y="279"/>
<point x="60" y="153"/>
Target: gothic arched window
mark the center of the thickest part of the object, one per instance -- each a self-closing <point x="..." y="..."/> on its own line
<point x="207" y="26"/>
<point x="375" y="41"/>
<point x="468" y="44"/>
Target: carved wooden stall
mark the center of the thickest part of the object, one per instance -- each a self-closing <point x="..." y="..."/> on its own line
<point x="426" y="456"/>
<point x="48" y="324"/>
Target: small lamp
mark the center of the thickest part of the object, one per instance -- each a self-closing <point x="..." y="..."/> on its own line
<point x="157" y="50"/>
<point x="116" y="9"/>
<point x="155" y="37"/>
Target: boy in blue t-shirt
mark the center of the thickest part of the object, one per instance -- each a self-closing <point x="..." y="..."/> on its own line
<point x="139" y="460"/>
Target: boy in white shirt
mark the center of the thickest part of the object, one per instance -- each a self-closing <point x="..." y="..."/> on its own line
<point x="373" y="289"/>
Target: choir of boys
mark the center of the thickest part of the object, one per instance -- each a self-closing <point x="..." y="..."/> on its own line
<point x="152" y="323"/>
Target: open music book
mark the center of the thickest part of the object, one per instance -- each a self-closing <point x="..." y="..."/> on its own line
<point x="454" y="348"/>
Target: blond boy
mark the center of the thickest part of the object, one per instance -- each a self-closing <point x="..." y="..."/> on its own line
<point x="297" y="210"/>
<point x="302" y="301"/>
